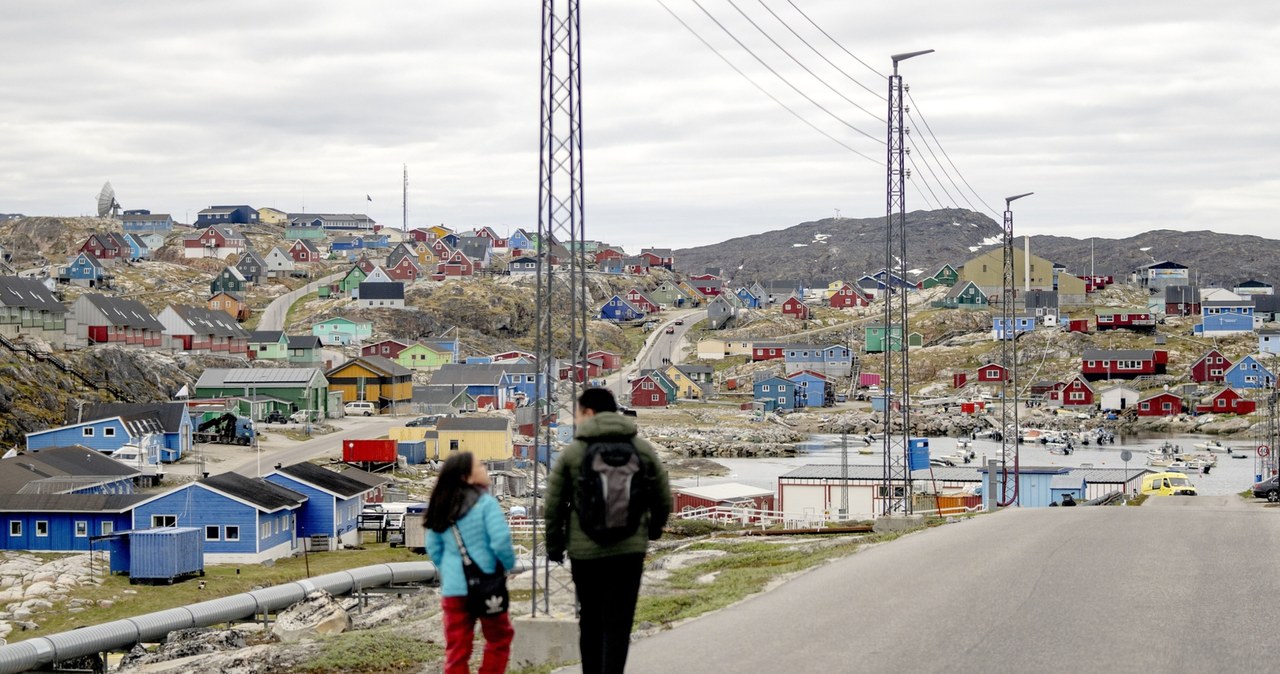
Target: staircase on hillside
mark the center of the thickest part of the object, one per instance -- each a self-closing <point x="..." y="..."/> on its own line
<point x="120" y="394"/>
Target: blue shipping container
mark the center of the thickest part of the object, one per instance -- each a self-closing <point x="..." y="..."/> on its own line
<point x="917" y="453"/>
<point x="413" y="451"/>
<point x="165" y="554"/>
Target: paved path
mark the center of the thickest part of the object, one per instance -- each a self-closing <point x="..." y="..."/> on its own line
<point x="657" y="346"/>
<point x="275" y="313"/>
<point x="1182" y="585"/>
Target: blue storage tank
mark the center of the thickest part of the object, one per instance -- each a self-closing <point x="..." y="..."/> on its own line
<point x="413" y="451"/>
<point x="165" y="554"/>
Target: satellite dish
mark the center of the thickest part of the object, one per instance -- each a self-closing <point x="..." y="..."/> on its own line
<point x="108" y="207"/>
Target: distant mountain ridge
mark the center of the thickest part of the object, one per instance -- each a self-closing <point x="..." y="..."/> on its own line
<point x="825" y="250"/>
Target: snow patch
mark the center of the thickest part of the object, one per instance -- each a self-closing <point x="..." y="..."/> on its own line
<point x="974" y="249"/>
<point x="992" y="240"/>
<point x="821" y="237"/>
<point x="799" y="245"/>
<point x="915" y="272"/>
<point x="1145" y="249"/>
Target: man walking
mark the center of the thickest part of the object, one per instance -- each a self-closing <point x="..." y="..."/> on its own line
<point x="607" y="498"/>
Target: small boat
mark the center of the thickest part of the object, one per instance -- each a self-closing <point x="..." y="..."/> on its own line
<point x="1159" y="462"/>
<point x="1062" y="448"/>
<point x="865" y="451"/>
<point x="1211" y="446"/>
<point x="1241" y="455"/>
<point x="964" y="443"/>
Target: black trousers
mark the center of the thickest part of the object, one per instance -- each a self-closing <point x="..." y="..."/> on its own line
<point x="607" y="589"/>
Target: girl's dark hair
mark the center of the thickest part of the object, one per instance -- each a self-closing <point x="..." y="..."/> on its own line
<point x="451" y="489"/>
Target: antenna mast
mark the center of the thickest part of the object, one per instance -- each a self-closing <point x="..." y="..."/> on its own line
<point x="404" y="216"/>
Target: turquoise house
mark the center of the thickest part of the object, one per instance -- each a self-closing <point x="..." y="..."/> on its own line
<point x="339" y="330"/>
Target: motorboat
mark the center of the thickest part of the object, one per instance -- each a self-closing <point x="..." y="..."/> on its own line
<point x="866" y="451"/>
<point x="964" y="443"/>
<point x="1211" y="446"/>
<point x="1060" y="447"/>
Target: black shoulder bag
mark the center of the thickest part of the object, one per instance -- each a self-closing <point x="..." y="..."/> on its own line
<point x="486" y="592"/>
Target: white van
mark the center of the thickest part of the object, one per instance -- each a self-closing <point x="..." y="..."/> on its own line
<point x="361" y="407"/>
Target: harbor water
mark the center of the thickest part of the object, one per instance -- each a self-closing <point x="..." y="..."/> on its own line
<point x="1230" y="476"/>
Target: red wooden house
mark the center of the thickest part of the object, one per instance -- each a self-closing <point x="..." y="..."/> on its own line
<point x="767" y="351"/>
<point x="365" y="264"/>
<point x="608" y="254"/>
<point x="1077" y="325"/>
<point x="441" y="249"/>
<point x="992" y="372"/>
<point x="1098" y="364"/>
<point x="1226" y="401"/>
<point x="609" y="361"/>
<point x="1076" y="392"/>
<point x="303" y="250"/>
<point x="104" y="247"/>
<point x="387" y="348"/>
<point x="848" y="297"/>
<point x="647" y="391"/>
<point x="456" y="265"/>
<point x="959" y="380"/>
<point x="795" y="308"/>
<point x="513" y="355"/>
<point x="112" y="320"/>
<point x="421" y="234"/>
<point x="1161" y="405"/>
<point x="744" y="498"/>
<point x="406" y="269"/>
<point x="1211" y="368"/>
<point x="1130" y="319"/>
<point x="642" y="301"/>
<point x="659" y="257"/>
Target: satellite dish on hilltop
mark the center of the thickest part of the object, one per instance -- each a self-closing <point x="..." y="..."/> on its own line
<point x="108" y="207"/>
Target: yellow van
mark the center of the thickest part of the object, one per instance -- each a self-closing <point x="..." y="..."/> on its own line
<point x="1167" y="484"/>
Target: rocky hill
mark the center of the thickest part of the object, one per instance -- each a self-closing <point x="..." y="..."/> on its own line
<point x="830" y="249"/>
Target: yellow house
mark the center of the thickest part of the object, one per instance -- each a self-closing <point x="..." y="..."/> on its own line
<point x="488" y="438"/>
<point x="424" y="253"/>
<point x="987" y="272"/>
<point x="832" y="289"/>
<point x="273" y="216"/>
<point x="685" y="387"/>
<point x="379" y="380"/>
<point x="439" y="231"/>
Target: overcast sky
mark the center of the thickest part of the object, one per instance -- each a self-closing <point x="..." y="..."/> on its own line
<point x="1121" y="117"/>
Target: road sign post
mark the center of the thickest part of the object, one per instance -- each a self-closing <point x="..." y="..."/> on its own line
<point x="1125" y="456"/>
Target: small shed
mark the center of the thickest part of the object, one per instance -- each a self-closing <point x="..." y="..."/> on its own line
<point x="1072" y="484"/>
<point x="413" y="451"/>
<point x="157" y="555"/>
<point x="725" y="495"/>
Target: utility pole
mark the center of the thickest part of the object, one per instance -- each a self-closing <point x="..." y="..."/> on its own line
<point x="404" y="215"/>
<point x="561" y="298"/>
<point x="896" y="486"/>
<point x="1009" y="360"/>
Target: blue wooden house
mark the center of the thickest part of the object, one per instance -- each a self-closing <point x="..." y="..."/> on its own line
<point x="1225" y="317"/>
<point x="244" y="520"/>
<point x="519" y="240"/>
<point x="830" y="361"/>
<point x="776" y="394"/>
<point x="62" y="522"/>
<point x="451" y="239"/>
<point x="1040" y="486"/>
<point x="619" y="310"/>
<point x="749" y="299"/>
<point x="66" y="470"/>
<point x="106" y="434"/>
<point x="83" y="269"/>
<point x="1248" y="373"/>
<point x="173" y="419"/>
<point x="333" y="502"/>
<point x="812" y="388"/>
<point x="1021" y="324"/>
<point x="482" y="382"/>
<point x="376" y="241"/>
<point x="138" y="249"/>
<point x="345" y="245"/>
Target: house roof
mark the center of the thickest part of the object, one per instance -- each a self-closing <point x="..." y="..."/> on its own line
<point x="1180" y="294"/>
<point x="205" y="321"/>
<point x="1165" y="264"/>
<point x="466" y="375"/>
<point x="660" y="252"/>
<point x="168" y="414"/>
<point x="436" y="395"/>
<point x="270" y="377"/>
<point x="304" y="342"/>
<point x="72" y="461"/>
<point x="1253" y="283"/>
<point x="333" y="482"/>
<point x="76" y="503"/>
<point x="959" y="288"/>
<point x="832" y="472"/>
<point x="125" y="313"/>
<point x="306" y="243"/>
<point x="726" y="491"/>
<point x="472" y="423"/>
<point x="1118" y="354"/>
<point x="373" y="480"/>
<point x="257" y="491"/>
<point x="28" y="293"/>
<point x="1228" y="303"/>
<point x="265" y="336"/>
<point x="381" y="291"/>
<point x="474" y="247"/>
<point x="385" y="366"/>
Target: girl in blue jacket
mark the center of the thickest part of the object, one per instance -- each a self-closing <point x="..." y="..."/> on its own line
<point x="461" y="497"/>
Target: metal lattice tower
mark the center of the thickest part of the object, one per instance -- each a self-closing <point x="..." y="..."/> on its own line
<point x="562" y="297"/>
<point x="896" y="487"/>
<point x="1009" y="455"/>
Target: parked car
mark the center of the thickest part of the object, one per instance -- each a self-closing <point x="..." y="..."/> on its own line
<point x="277" y="417"/>
<point x="1268" y="489"/>
<point x="1167" y="484"/>
<point x="360" y="407"/>
<point x="304" y="416"/>
<point x="429" y="420"/>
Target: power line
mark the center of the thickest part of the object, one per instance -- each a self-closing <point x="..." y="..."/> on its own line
<point x="948" y="157"/>
<point x="834" y="90"/>
<point x="917" y="172"/>
<point x="924" y="198"/>
<point x="764" y="91"/>
<point x="851" y="78"/>
<point x="940" y="166"/>
<point x="833" y="40"/>
<point x="780" y="77"/>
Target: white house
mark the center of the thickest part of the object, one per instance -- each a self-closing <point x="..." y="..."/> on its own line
<point x="1118" y="397"/>
<point x="279" y="263"/>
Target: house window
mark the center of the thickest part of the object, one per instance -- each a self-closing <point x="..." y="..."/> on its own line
<point x="781" y="400"/>
<point x="1147" y="406"/>
<point x="231" y="533"/>
<point x="15" y="527"/>
<point x="86" y="432"/>
<point x="1167" y="406"/>
<point x="211" y="533"/>
<point x="1077" y="395"/>
<point x="42" y="528"/>
<point x="453" y="445"/>
<point x="108" y="432"/>
<point x="1222" y="403"/>
<point x="654" y="397"/>
<point x="765" y="388"/>
<point x="159" y="521"/>
<point x="82" y="528"/>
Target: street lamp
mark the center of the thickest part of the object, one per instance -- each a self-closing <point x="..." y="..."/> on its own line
<point x="1009" y="359"/>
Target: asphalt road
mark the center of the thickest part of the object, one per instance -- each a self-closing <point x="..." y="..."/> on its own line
<point x="275" y="313"/>
<point x="658" y="346"/>
<point x="1177" y="585"/>
<point x="354" y="428"/>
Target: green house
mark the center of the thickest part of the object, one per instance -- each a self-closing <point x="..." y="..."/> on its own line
<point x="669" y="294"/>
<point x="352" y="280"/>
<point x="268" y="345"/>
<point x="947" y="276"/>
<point x="228" y="280"/>
<point x="875" y="334"/>
<point x="339" y="330"/>
<point x="915" y="340"/>
<point x="965" y="295"/>
<point x="419" y="356"/>
<point x="301" y="388"/>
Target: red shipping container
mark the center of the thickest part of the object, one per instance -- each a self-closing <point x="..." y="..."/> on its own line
<point x="868" y="379"/>
<point x="369" y="451"/>
<point x="967" y="408"/>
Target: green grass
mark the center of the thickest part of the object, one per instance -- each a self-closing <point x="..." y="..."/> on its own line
<point x="728" y="362"/>
<point x="296" y="306"/>
<point x="1137" y="500"/>
<point x="635" y="341"/>
<point x="220" y="581"/>
<point x="379" y="652"/>
<point x="747" y="569"/>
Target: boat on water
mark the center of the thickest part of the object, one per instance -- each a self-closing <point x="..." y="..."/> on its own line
<point x="1212" y="446"/>
<point x="1060" y="448"/>
<point x="865" y="451"/>
<point x="964" y="443"/>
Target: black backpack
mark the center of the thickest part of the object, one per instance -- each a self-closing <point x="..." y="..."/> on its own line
<point x="613" y="492"/>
